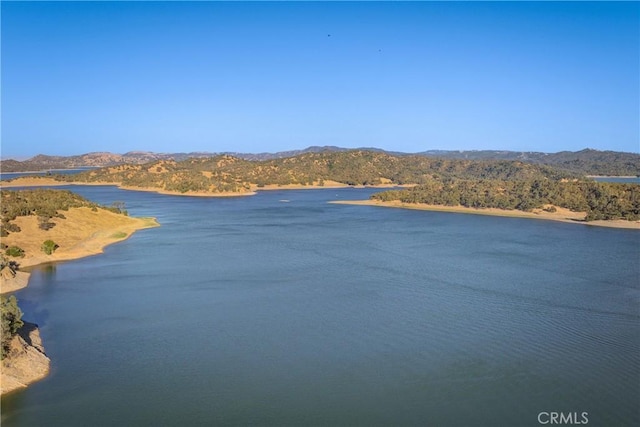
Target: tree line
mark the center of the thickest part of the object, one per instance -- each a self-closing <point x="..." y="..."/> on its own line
<point x="10" y="313"/>
<point x="600" y="200"/>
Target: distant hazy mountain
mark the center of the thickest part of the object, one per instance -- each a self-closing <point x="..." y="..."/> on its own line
<point x="588" y="161"/>
<point x="43" y="162"/>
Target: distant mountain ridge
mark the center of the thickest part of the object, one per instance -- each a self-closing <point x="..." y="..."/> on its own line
<point x="587" y="161"/>
<point x="228" y="174"/>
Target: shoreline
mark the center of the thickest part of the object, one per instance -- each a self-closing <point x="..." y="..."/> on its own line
<point x="26" y="361"/>
<point x="94" y="243"/>
<point x="562" y="215"/>
<point x="30" y="181"/>
<point x="89" y="232"/>
<point x="177" y="193"/>
<point x="82" y="168"/>
<point x="253" y="190"/>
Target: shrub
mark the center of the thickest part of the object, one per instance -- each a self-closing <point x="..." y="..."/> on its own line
<point x="49" y="247"/>
<point x="11" y="227"/>
<point x="45" y="224"/>
<point x="11" y="321"/>
<point x="15" y="251"/>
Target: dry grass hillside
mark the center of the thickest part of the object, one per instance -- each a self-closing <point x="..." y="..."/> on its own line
<point x="83" y="232"/>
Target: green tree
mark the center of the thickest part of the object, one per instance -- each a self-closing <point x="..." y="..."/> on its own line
<point x="15" y="251"/>
<point x="11" y="321"/>
<point x="49" y="247"/>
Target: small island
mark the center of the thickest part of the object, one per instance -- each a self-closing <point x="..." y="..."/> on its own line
<point x="41" y="226"/>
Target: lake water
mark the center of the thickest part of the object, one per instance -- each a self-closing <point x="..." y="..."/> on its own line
<point x="12" y="175"/>
<point x="282" y="309"/>
<point x="618" y="179"/>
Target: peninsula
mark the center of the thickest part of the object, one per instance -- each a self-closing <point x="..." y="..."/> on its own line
<point x="575" y="201"/>
<point x="547" y="212"/>
<point x="77" y="227"/>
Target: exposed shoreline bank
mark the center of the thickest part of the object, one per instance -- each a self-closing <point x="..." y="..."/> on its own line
<point x="79" y="236"/>
<point x="253" y="190"/>
<point x="26" y="361"/>
<point x="561" y="215"/>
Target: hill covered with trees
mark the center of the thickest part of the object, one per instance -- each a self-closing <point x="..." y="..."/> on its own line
<point x="584" y="162"/>
<point x="231" y="174"/>
<point x="600" y="200"/>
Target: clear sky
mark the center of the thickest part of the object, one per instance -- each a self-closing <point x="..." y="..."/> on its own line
<point x="79" y="77"/>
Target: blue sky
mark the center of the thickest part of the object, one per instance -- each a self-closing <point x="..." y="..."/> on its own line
<point x="251" y="77"/>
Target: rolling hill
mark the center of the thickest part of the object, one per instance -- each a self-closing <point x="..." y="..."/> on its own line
<point x="586" y="162"/>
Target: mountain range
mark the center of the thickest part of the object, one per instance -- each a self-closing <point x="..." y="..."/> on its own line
<point x="587" y="161"/>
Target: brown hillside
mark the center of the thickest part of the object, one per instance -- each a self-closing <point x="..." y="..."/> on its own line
<point x="83" y="232"/>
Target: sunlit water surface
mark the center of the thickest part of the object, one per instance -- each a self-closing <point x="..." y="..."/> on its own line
<point x="282" y="309"/>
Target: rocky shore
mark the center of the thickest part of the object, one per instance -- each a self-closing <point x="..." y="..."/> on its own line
<point x="26" y="361"/>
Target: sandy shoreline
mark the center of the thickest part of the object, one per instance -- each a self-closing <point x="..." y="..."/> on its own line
<point x="83" y="233"/>
<point x="561" y="215"/>
<point x="47" y="182"/>
<point x="178" y="193"/>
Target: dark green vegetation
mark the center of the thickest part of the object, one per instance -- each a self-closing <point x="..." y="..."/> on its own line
<point x="10" y="265"/>
<point x="15" y="251"/>
<point x="587" y="162"/>
<point x="11" y="321"/>
<point x="43" y="203"/>
<point x="598" y="199"/>
<point x="49" y="247"/>
<point x="229" y="174"/>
